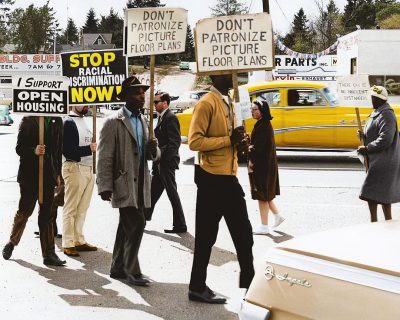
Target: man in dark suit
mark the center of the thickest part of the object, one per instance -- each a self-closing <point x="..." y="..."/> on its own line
<point x="28" y="174"/>
<point x="168" y="134"/>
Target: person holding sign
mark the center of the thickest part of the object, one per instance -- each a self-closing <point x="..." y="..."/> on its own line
<point x="123" y="177"/>
<point x="263" y="166"/>
<point x="78" y="175"/>
<point x="28" y="174"/>
<point x="382" y="145"/>
<point x="168" y="135"/>
<point x="212" y="132"/>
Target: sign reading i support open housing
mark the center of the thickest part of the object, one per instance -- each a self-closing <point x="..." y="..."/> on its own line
<point x="40" y="95"/>
<point x="240" y="43"/>
<point x="95" y="76"/>
<point x="152" y="31"/>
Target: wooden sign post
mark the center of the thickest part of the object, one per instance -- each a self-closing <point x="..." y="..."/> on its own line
<point x="94" y="113"/>
<point x="40" y="96"/>
<point x="41" y="160"/>
<point x="168" y="35"/>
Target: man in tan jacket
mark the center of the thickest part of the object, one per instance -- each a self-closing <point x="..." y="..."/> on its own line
<point x="212" y="132"/>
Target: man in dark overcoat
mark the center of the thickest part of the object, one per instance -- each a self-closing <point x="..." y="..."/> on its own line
<point x="28" y="176"/>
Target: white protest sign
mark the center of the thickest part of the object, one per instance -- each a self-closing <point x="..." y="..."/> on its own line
<point x="245" y="103"/>
<point x="240" y="42"/>
<point x="353" y="90"/>
<point x="40" y="95"/>
<point x="152" y="31"/>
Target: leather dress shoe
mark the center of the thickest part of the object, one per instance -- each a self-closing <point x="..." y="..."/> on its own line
<point x="71" y="252"/>
<point x="53" y="260"/>
<point x="207" y="296"/>
<point x="138" y="280"/>
<point x="8" y="250"/>
<point x="86" y="247"/>
<point x="176" y="230"/>
<point x="118" y="275"/>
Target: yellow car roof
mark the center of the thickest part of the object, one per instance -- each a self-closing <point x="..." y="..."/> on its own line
<point x="255" y="86"/>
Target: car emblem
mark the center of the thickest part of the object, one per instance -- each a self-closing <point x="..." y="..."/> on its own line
<point x="270" y="273"/>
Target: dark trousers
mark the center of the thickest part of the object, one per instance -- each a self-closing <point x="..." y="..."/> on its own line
<point x="27" y="203"/>
<point x="220" y="196"/>
<point x="127" y="242"/>
<point x="164" y="179"/>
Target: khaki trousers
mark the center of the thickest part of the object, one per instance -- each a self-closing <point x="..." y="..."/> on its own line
<point x="79" y="183"/>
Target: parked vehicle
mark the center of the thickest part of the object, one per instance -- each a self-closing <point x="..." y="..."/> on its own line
<point x="5" y="118"/>
<point x="348" y="273"/>
<point x="184" y="65"/>
<point x="305" y="115"/>
<point x="187" y="100"/>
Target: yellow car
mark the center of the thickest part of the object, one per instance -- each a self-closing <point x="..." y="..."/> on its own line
<point x="305" y="114"/>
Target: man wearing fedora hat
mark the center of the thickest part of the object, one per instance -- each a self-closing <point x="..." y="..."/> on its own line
<point x="123" y="177"/>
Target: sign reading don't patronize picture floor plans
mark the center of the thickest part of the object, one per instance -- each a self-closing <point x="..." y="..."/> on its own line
<point x="240" y="43"/>
<point x="153" y="31"/>
<point x="95" y="76"/>
<point x="40" y="95"/>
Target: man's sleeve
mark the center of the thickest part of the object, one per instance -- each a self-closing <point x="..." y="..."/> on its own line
<point x="25" y="146"/>
<point x="105" y="163"/>
<point x="198" y="140"/>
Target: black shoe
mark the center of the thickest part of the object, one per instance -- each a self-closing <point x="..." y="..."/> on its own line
<point x="207" y="296"/>
<point x="36" y="233"/>
<point x="176" y="230"/>
<point x="53" y="260"/>
<point x="8" y="250"/>
<point x="58" y="235"/>
<point x="138" y="280"/>
<point x="118" y="275"/>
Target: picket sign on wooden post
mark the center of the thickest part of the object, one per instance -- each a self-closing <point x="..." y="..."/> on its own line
<point x="94" y="113"/>
<point x="151" y="106"/>
<point x="41" y="160"/>
<point x="353" y="91"/>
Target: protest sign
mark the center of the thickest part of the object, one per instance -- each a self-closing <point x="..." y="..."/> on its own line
<point x="240" y="42"/>
<point x="152" y="31"/>
<point x="353" y="90"/>
<point x="40" y="95"/>
<point x="95" y="76"/>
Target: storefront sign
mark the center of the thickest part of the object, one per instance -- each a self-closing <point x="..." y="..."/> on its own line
<point x="30" y="62"/>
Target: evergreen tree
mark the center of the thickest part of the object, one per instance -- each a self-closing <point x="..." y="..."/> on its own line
<point x="92" y="23"/>
<point x="189" y="54"/>
<point x="359" y="12"/>
<point x="70" y="34"/>
<point x="114" y="24"/>
<point x="34" y="28"/>
<point x="144" y="4"/>
<point x="299" y="38"/>
<point x="385" y="9"/>
<point x="228" y="7"/>
<point x="5" y="12"/>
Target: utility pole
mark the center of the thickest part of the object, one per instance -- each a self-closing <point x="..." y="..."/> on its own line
<point x="266" y="6"/>
<point x="268" y="74"/>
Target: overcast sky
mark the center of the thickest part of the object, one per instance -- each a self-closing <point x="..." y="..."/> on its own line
<point x="282" y="14"/>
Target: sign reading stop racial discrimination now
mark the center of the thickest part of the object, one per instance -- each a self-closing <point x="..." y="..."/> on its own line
<point x="40" y="95"/>
<point x="95" y="76"/>
<point x="240" y="42"/>
<point x="153" y="31"/>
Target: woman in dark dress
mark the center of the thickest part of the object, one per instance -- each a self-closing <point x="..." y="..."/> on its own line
<point x="263" y="166"/>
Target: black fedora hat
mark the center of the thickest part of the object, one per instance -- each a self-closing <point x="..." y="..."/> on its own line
<point x="131" y="82"/>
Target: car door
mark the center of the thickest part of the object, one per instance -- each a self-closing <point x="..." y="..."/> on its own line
<point x="308" y="119"/>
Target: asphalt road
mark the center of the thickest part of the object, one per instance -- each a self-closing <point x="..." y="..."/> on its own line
<point x="318" y="192"/>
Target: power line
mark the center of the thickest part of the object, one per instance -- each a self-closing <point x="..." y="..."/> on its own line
<point x="251" y="4"/>
<point x="276" y="1"/>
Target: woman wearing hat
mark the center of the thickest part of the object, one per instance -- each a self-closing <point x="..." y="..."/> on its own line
<point x="382" y="145"/>
<point x="263" y="166"/>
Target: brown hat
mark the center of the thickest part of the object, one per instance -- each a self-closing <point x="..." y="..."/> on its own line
<point x="131" y="82"/>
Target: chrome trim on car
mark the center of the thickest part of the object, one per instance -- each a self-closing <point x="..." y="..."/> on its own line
<point x="269" y="274"/>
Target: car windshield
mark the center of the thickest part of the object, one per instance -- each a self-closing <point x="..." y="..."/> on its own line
<point x="330" y="95"/>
